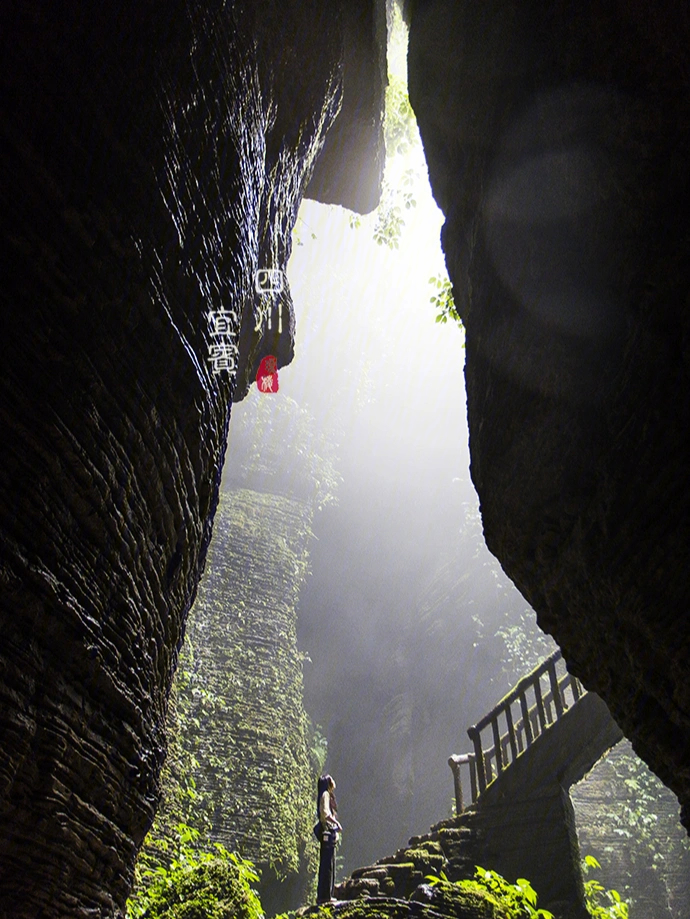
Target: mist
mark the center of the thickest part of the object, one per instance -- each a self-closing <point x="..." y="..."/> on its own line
<point x="402" y="589"/>
<point x="409" y="628"/>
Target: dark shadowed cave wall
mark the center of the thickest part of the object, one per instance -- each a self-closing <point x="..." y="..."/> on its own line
<point x="153" y="158"/>
<point x="557" y="138"/>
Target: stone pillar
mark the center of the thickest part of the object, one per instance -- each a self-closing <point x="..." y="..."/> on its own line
<point x="535" y="838"/>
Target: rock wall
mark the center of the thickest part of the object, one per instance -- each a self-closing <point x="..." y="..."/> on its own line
<point x="629" y="821"/>
<point x="244" y="735"/>
<point x="557" y="138"/>
<point x="153" y="155"/>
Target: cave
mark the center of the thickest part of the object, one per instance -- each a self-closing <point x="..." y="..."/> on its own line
<point x="154" y="157"/>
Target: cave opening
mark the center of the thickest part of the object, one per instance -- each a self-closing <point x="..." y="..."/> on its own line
<point x="155" y="156"/>
<point x="358" y="464"/>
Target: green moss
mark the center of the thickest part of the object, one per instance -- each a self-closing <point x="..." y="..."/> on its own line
<point x="430" y="846"/>
<point x="454" y="900"/>
<point x="459" y="905"/>
<point x="240" y="769"/>
<point x="213" y="889"/>
<point x="425" y="860"/>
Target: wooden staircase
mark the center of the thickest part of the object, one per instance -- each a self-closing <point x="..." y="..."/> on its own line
<point x="530" y="709"/>
<point x="543" y="736"/>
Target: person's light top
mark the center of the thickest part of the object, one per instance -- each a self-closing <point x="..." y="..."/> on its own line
<point x="326" y="815"/>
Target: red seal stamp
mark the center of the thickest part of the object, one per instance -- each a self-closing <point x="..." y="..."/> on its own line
<point x="267" y="375"/>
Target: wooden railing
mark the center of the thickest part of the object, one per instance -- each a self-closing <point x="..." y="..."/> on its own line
<point x="538" y="700"/>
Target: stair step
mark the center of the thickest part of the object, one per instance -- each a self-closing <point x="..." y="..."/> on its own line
<point x="371" y="871"/>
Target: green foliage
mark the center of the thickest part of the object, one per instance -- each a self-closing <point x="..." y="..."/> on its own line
<point x="389" y="219"/>
<point x="242" y="754"/>
<point x="245" y="720"/>
<point x="389" y="224"/>
<point x="240" y="768"/>
<point x="400" y="124"/>
<point x="526" y="645"/>
<point x="519" y="899"/>
<point x="443" y="300"/>
<point x="214" y="884"/>
<point x="277" y="443"/>
<point x="636" y="817"/>
<point x="318" y="747"/>
<point x="602" y="903"/>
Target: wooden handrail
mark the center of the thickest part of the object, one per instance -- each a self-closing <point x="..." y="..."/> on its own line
<point x="455" y="762"/>
<point x="549" y="706"/>
<point x="518" y="689"/>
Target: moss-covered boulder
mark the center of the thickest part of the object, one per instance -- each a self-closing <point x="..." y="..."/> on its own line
<point x="213" y="889"/>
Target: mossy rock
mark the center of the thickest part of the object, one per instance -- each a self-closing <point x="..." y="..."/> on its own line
<point x="400" y="869"/>
<point x="467" y="905"/>
<point x="450" y="900"/>
<point x="453" y="835"/>
<point x="371" y="871"/>
<point x="426" y="860"/>
<point x="212" y="890"/>
<point x="430" y="846"/>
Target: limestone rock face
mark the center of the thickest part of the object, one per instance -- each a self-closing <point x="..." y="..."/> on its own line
<point x="153" y="158"/>
<point x="557" y="138"/>
<point x="349" y="169"/>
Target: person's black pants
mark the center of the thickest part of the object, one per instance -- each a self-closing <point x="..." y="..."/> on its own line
<point x="324" y="890"/>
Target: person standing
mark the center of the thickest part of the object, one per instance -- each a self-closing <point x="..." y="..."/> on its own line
<point x="329" y="828"/>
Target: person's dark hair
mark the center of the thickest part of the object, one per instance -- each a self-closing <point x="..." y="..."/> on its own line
<point x="321" y="786"/>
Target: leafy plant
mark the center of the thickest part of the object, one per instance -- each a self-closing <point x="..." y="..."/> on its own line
<point x="400" y="124"/>
<point x="212" y="884"/>
<point x="389" y="219"/>
<point x="443" y="300"/>
<point x="637" y="818"/>
<point x="238" y="769"/>
<point x="520" y="898"/>
<point x="525" y="645"/>
<point x="602" y="903"/>
<point x="389" y="224"/>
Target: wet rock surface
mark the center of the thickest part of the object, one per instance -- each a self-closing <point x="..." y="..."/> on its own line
<point x="557" y="140"/>
<point x="154" y="155"/>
